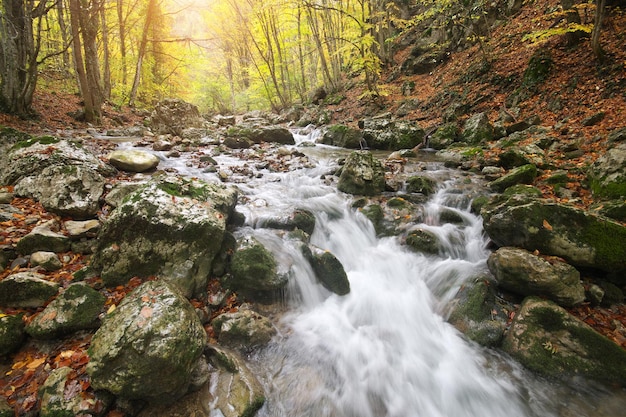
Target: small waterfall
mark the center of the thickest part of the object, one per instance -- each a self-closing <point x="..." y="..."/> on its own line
<point x="384" y="350"/>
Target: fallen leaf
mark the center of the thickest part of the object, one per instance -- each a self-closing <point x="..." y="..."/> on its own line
<point x="35" y="363"/>
<point x="547" y="225"/>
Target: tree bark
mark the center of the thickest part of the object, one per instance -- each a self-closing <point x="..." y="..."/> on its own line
<point x="597" y="29"/>
<point x="18" y="57"/>
<point x="142" y="51"/>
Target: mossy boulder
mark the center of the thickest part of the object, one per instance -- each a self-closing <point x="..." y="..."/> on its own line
<point x="386" y="134"/>
<point x="423" y="241"/>
<point x="475" y="312"/>
<point x="607" y="176"/>
<point x="582" y="238"/>
<point x="42" y="238"/>
<point x="343" y="136"/>
<point x="26" y="290"/>
<point x="444" y="136"/>
<point x="298" y="219"/>
<point x="421" y="184"/>
<point x="171" y="227"/>
<point x="524" y="174"/>
<point x="254" y="270"/>
<point x="328" y="269"/>
<point x="524" y="273"/>
<point x="243" y="329"/>
<point x="362" y="174"/>
<point x="76" y="308"/>
<point x="477" y="130"/>
<point x="548" y="340"/>
<point x="147" y="348"/>
<point x="12" y="333"/>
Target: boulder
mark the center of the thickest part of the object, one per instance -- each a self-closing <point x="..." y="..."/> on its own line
<point x="133" y="160"/>
<point x="423" y="241"/>
<point x="249" y="133"/>
<point x="524" y="174"/>
<point x="476" y="313"/>
<point x="607" y="176"/>
<point x="477" y="130"/>
<point x="12" y="333"/>
<point x="383" y="133"/>
<point x="243" y="329"/>
<point x="42" y="238"/>
<point x="172" y="227"/>
<point x="67" y="190"/>
<point x="237" y="392"/>
<point x="547" y="339"/>
<point x="26" y="290"/>
<point x="173" y="116"/>
<point x="421" y="184"/>
<point x="524" y="273"/>
<point x="362" y="174"/>
<point x="299" y="219"/>
<point x="82" y="229"/>
<point x="444" y="136"/>
<point x="328" y="269"/>
<point x="47" y="260"/>
<point x="58" y="399"/>
<point x="343" y="136"/>
<point x="254" y="270"/>
<point x="28" y="158"/>
<point x="147" y="348"/>
<point x="582" y="238"/>
<point x="76" y="308"/>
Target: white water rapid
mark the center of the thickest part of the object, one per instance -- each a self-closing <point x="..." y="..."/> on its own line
<point x="385" y="350"/>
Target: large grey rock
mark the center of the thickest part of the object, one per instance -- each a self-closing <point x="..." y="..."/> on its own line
<point x="362" y="174"/>
<point x="42" y="238"/>
<point x="133" y="160"/>
<point x="148" y="346"/>
<point x="174" y="116"/>
<point x="68" y="190"/>
<point x="76" y="308"/>
<point x="243" y="329"/>
<point x="343" y="136"/>
<point x="26" y="289"/>
<point x="477" y="130"/>
<point x="582" y="238"/>
<point x="382" y="133"/>
<point x="172" y="227"/>
<point x="608" y="174"/>
<point x="524" y="273"/>
<point x="547" y="339"/>
<point x="30" y="157"/>
<point x="251" y="133"/>
<point x="328" y="269"/>
<point x="254" y="270"/>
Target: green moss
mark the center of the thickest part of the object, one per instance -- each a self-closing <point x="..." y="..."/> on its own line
<point x="253" y="407"/>
<point x="609" y="250"/>
<point x="609" y="190"/>
<point x="225" y="362"/>
<point x="397" y="202"/>
<point x="472" y="152"/>
<point x="43" y="140"/>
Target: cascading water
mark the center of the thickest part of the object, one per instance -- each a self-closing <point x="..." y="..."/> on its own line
<point x="384" y="350"/>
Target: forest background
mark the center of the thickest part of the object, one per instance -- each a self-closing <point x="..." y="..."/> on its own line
<point x="231" y="56"/>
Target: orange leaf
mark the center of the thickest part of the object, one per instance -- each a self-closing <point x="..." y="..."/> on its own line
<point x="35" y="363"/>
<point x="547" y="225"/>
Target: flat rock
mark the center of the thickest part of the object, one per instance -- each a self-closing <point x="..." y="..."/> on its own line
<point x="133" y="160"/>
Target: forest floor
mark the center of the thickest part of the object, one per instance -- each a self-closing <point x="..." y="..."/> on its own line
<point x="578" y="86"/>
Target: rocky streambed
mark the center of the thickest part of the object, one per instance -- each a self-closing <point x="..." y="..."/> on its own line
<point x="158" y="251"/>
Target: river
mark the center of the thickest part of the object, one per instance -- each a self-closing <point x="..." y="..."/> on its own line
<point x="385" y="349"/>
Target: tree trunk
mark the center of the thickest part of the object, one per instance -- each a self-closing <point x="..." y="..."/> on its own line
<point x="106" y="75"/>
<point x="122" y="27"/>
<point x="597" y="28"/>
<point x="89" y="89"/>
<point x="142" y="51"/>
<point x="18" y="57"/>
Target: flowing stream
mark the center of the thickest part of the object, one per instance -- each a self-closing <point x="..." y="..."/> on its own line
<point x="385" y="349"/>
